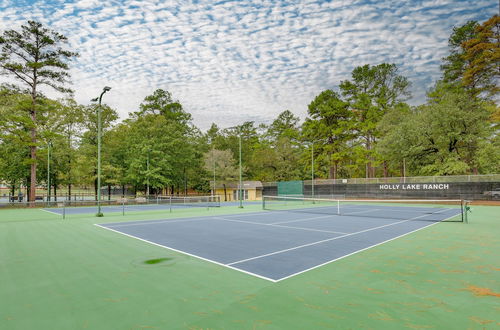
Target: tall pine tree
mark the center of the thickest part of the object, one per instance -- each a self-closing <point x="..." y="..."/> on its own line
<point x="35" y="57"/>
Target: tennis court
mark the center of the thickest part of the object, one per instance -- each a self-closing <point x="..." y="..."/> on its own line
<point x="57" y="273"/>
<point x="130" y="206"/>
<point x="293" y="235"/>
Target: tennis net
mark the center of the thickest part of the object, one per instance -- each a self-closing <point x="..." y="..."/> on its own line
<point x="189" y="201"/>
<point x="402" y="209"/>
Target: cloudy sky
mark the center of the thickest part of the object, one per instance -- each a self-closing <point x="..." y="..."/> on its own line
<point x="231" y="61"/>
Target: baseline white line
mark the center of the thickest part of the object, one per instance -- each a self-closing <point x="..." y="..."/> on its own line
<point x="189" y="254"/>
<point x="364" y="249"/>
<point x="400" y="209"/>
<point x="310" y="229"/>
<point x="152" y="222"/>
<point x="357" y="212"/>
<point x="322" y="241"/>
<point x="146" y="222"/>
<point x="60" y="214"/>
<point x="275" y="225"/>
<point x="305" y="219"/>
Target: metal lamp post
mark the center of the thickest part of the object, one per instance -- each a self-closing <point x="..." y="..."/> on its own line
<point x="49" y="146"/>
<point x="147" y="176"/>
<point x="99" y="134"/>
<point x="312" y="166"/>
<point x="213" y="162"/>
<point x="241" y="181"/>
<point x="312" y="169"/>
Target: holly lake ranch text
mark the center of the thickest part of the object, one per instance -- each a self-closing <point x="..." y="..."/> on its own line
<point x="424" y="186"/>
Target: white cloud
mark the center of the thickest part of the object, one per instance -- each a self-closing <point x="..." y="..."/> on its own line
<point x="244" y="60"/>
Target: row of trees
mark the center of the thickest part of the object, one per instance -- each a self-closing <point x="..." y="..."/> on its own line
<point x="363" y="129"/>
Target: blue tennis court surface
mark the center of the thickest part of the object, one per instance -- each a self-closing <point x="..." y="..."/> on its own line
<point x="276" y="245"/>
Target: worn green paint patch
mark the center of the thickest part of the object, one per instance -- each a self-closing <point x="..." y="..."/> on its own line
<point x="156" y="261"/>
<point x="57" y="274"/>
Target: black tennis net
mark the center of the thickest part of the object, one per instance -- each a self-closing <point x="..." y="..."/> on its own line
<point x="189" y="201"/>
<point x="451" y="210"/>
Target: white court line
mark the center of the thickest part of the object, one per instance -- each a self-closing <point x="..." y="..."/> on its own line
<point x="357" y="212"/>
<point x="252" y="214"/>
<point x="189" y="254"/>
<point x="305" y="219"/>
<point x="364" y="249"/>
<point x="400" y="209"/>
<point x="322" y="241"/>
<point x="60" y="214"/>
<point x="257" y="275"/>
<point x="147" y="222"/>
<point x="152" y="222"/>
<point x="276" y="225"/>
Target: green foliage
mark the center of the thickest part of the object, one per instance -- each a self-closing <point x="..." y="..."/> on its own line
<point x="363" y="128"/>
<point x="35" y="57"/>
<point x="442" y="137"/>
<point x="330" y="127"/>
<point x="222" y="163"/>
<point x="455" y="64"/>
<point x="482" y="54"/>
<point x="161" y="103"/>
<point x="373" y="91"/>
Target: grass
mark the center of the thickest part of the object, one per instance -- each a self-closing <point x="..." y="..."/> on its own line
<point x="57" y="274"/>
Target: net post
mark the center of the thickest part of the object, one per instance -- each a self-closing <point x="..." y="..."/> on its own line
<point x="263" y="202"/>
<point x="338" y="206"/>
<point x="123" y="206"/>
<point x="64" y="210"/>
<point x="466" y="211"/>
<point x="462" y="207"/>
<point x="170" y="203"/>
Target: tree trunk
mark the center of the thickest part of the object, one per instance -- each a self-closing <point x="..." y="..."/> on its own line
<point x="95" y="188"/>
<point x="32" y="194"/>
<point x="109" y="192"/>
<point x="386" y="169"/>
<point x="185" y="183"/>
<point x="331" y="170"/>
<point x="225" y="192"/>
<point x="55" y="187"/>
<point x="33" y="165"/>
<point x="28" y="188"/>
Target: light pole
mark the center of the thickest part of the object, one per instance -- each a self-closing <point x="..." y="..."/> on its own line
<point x="213" y="163"/>
<point x="312" y="166"/>
<point x="312" y="169"/>
<point x="241" y="181"/>
<point x="99" y="133"/>
<point x="49" y="145"/>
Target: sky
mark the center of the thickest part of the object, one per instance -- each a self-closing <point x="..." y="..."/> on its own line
<point x="232" y="61"/>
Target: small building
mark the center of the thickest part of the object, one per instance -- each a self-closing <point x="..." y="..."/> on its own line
<point x="228" y="191"/>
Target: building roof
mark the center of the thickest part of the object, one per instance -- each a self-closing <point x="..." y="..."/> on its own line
<point x="235" y="185"/>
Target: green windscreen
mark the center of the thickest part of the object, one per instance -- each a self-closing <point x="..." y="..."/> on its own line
<point x="291" y="188"/>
